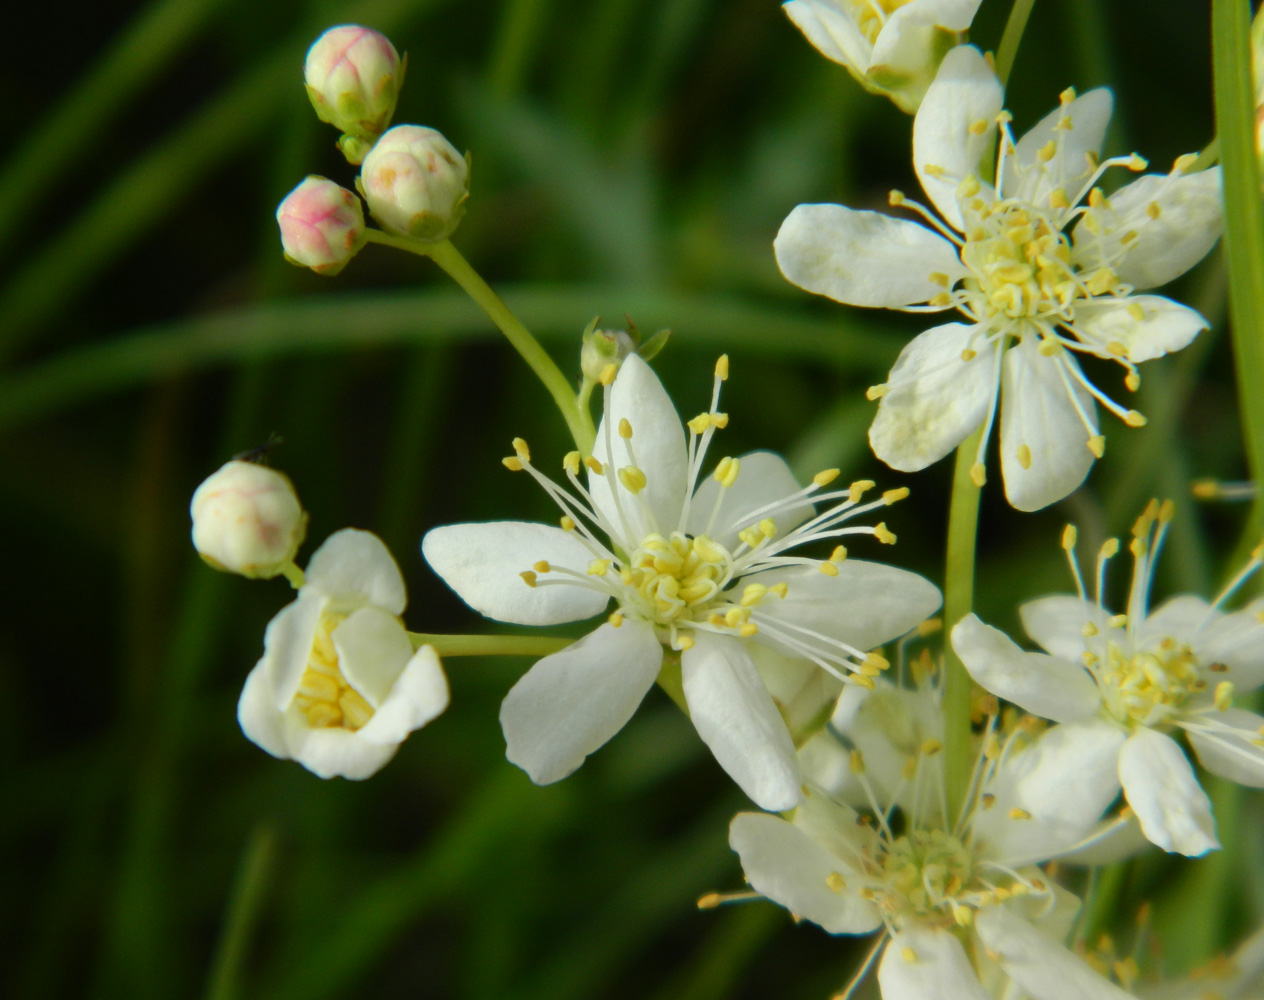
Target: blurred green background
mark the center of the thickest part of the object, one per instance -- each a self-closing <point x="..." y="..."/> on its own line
<point x="631" y="158"/>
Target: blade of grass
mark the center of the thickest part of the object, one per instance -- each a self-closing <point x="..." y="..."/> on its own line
<point x="247" y="898"/>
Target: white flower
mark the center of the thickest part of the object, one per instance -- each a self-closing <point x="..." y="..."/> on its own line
<point x="891" y="47"/>
<point x="704" y="571"/>
<point x="1133" y="678"/>
<point x="247" y="519"/>
<point x="339" y="686"/>
<point x="930" y="885"/>
<point x="1042" y="265"/>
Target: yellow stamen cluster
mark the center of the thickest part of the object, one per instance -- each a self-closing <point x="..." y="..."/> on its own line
<point x="324" y="697"/>
<point x="1147" y="687"/>
<point x="674" y="575"/>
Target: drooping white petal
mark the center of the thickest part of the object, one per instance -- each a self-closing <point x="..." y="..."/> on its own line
<point x="658" y="442"/>
<point x="354" y="568"/>
<point x="1161" y="327"/>
<point x="571" y="702"/>
<point x="1036" y="411"/>
<point x="1042" y="967"/>
<point x="865" y="605"/>
<point x="735" y="716"/>
<point x="927" y="963"/>
<point x="1043" y="685"/>
<point x="1189" y="221"/>
<point x="260" y="719"/>
<point x="287" y="645"/>
<point x="948" y="141"/>
<point x="1028" y="178"/>
<point x="334" y="752"/>
<point x="1226" y="745"/>
<point x="484" y="562"/>
<point x="783" y="863"/>
<point x="936" y="397"/>
<point x="832" y="28"/>
<point x="1056" y="622"/>
<point x="373" y="650"/>
<point x="1162" y="790"/>
<point x="1237" y="641"/>
<point x="419" y="695"/>
<point x="905" y="47"/>
<point x="863" y="258"/>
<point x="763" y="478"/>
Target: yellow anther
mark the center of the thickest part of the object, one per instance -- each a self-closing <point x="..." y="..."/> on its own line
<point x="1183" y="162"/>
<point x="931" y="747"/>
<point x="1019" y="814"/>
<point x="979" y="127"/>
<point x="987" y="800"/>
<point x="608" y="373"/>
<point x="1067" y="96"/>
<point x="857" y="489"/>
<point x="939" y="278"/>
<point x="567" y="522"/>
<point x="1096" y="198"/>
<point x="992" y="746"/>
<point x="940" y="300"/>
<point x="594" y="466"/>
<point x="969" y="187"/>
<point x="684" y="641"/>
<point x="932" y="170"/>
<point x="978" y="474"/>
<point x="521" y="450"/>
<point x="908" y="954"/>
<point x="1118" y="621"/>
<point x="1126" y="971"/>
<point x="1132" y="381"/>
<point x="828" y="568"/>
<point x="1049" y="347"/>
<point x="615" y="619"/>
<point x="877" y="662"/>
<point x="1138" y="163"/>
<point x="895" y="495"/>
<point x="542" y="566"/>
<point x="570" y="463"/>
<point x="1109" y="549"/>
<point x="1097" y="445"/>
<point x="735" y="616"/>
<point x="748" y="630"/>
<point x="963" y="916"/>
<point x="969" y="355"/>
<point x="1089" y="659"/>
<point x="700" y="423"/>
<point x="512" y="463"/>
<point x="909" y="770"/>
<point x="783" y="588"/>
<point x="625" y="428"/>
<point x="768" y="527"/>
<point x="860" y="680"/>
<point x="930" y="626"/>
<point x="1153" y="210"/>
<point x="825" y="477"/>
<point x="1137" y="313"/>
<point x="726" y="471"/>
<point x="752" y="594"/>
<point x="632" y="478"/>
<point x="1167" y="511"/>
<point x="1069" y="536"/>
<point x="883" y="533"/>
<point x="839" y="553"/>
<point x="599" y="567"/>
<point x="1058" y="199"/>
<point x="528" y="578"/>
<point x="895" y="198"/>
<point x="722" y="367"/>
<point x="876" y="392"/>
<point x="1089" y="629"/>
<point x="1047" y="152"/>
<point x="857" y="762"/>
<point x="1223" y="698"/>
<point x="1118" y="349"/>
<point x="1129" y="237"/>
<point x="1134" y="419"/>
<point x="719" y="420"/>
<point x="835" y="882"/>
<point x="1024" y="456"/>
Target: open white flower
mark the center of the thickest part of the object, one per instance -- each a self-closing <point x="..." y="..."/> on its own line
<point x="1043" y="266"/>
<point x="703" y="571"/>
<point x="339" y="686"/>
<point x="927" y="884"/>
<point x="1126" y="681"/>
<point x="891" y="47"/>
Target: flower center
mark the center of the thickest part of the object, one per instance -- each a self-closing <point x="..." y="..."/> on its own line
<point x="1149" y="687"/>
<point x="324" y="697"/>
<point x="669" y="579"/>
<point x="871" y="15"/>
<point x="924" y="872"/>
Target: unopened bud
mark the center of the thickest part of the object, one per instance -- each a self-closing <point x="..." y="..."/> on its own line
<point x="322" y="225"/>
<point x="353" y="77"/>
<point x="601" y="348"/>
<point x="416" y="183"/>
<point x="247" y="520"/>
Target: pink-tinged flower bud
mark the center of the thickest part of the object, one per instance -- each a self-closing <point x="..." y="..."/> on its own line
<point x="416" y="183"/>
<point x="322" y="225"/>
<point x="247" y="520"/>
<point x="353" y="77"/>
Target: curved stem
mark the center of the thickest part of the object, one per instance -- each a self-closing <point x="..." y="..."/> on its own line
<point x="458" y="268"/>
<point x="489" y="645"/>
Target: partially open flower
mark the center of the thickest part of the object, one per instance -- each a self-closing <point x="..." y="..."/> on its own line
<point x="322" y="225"/>
<point x="353" y="77"/>
<point x="247" y="520"/>
<point x="416" y="183"/>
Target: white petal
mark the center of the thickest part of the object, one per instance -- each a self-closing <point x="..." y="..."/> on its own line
<point x="354" y="568"/>
<point x="287" y="645"/>
<point x="1057" y="623"/>
<point x="833" y="30"/>
<point x="258" y="715"/>
<point x="804" y="694"/>
<point x="1163" y="792"/>
<point x="863" y="258"/>
<point x="865" y="605"/>
<point x="936" y="398"/>
<point x="735" y="716"/>
<point x="783" y="863"/>
<point x="373" y="650"/>
<point x="1164" y="326"/>
<point x="1037" y="411"/>
<point x="1113" y="840"/>
<point x="1043" y="685"/>
<point x="889" y="726"/>
<point x="1225" y="744"/>
<point x="763" y="478"/>
<point x="658" y="442"/>
<point x="1189" y="222"/>
<point x="1042" y="967"/>
<point x="910" y="40"/>
<point x="926" y="963"/>
<point x="483" y="563"/>
<point x="419" y="695"/>
<point x="965" y="92"/>
<point x="570" y="703"/>
<point x="335" y="752"/>
<point x="836" y="828"/>
<point x="1182" y="618"/>
<point x="1028" y="178"/>
<point x="1237" y="641"/>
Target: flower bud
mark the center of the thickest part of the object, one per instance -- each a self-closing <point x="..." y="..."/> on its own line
<point x="353" y="77"/>
<point x="322" y="225"/>
<point x="601" y="348"/>
<point x="247" y="520"/>
<point x="416" y="183"/>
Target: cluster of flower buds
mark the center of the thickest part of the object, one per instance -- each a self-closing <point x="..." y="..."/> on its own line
<point x="414" y="180"/>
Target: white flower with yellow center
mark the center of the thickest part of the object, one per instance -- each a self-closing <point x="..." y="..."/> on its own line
<point x="339" y="686"/>
<point x="702" y="567"/>
<point x="1127" y="681"/>
<point x="1043" y="266"/>
<point x="891" y="47"/>
<point x="960" y="906"/>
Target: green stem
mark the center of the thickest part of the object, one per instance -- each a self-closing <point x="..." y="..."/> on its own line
<point x="963" y="527"/>
<point x="1013" y="34"/>
<point x="490" y="645"/>
<point x="249" y="891"/>
<point x="537" y="358"/>
<point x="1244" y="233"/>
